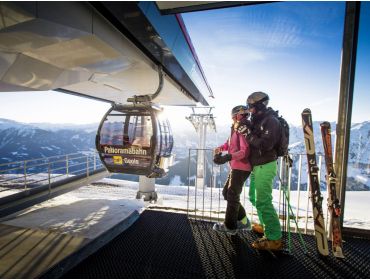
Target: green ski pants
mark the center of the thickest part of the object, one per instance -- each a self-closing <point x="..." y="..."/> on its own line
<point x="260" y="195"/>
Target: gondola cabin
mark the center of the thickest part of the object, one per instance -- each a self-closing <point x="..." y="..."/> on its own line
<point x="135" y="139"/>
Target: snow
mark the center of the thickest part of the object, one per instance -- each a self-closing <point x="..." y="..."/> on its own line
<point x="356" y="204"/>
<point x="26" y="131"/>
<point x="357" y="126"/>
<point x="88" y="212"/>
<point x="296" y="144"/>
<point x="361" y="179"/>
<point x="92" y="209"/>
<point x="14" y="183"/>
<point x="176" y="180"/>
<point x="19" y="154"/>
<point x="5" y="191"/>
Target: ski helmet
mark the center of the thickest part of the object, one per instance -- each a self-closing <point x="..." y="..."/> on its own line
<point x="258" y="100"/>
<point x="240" y="109"/>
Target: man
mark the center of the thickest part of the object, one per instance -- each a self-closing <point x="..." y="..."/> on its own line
<point x="237" y="154"/>
<point x="264" y="132"/>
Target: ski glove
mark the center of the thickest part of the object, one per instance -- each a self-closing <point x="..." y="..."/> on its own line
<point x="220" y="159"/>
<point x="245" y="127"/>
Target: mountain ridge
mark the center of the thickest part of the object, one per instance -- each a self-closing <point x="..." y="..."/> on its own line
<point x="22" y="141"/>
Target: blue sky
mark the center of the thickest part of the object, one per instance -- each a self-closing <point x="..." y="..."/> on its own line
<point x="361" y="99"/>
<point x="291" y="50"/>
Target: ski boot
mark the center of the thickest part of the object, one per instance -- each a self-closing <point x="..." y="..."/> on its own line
<point x="257" y="228"/>
<point x="220" y="227"/>
<point x="268" y="245"/>
<point x="244" y="224"/>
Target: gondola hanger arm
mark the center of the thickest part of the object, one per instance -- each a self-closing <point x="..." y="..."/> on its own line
<point x="147" y="98"/>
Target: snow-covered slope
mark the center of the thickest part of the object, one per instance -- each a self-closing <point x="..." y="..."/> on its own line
<point x="20" y="141"/>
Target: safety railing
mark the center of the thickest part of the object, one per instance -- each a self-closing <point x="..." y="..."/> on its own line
<point x="201" y="198"/>
<point x="207" y="203"/>
<point x="23" y="175"/>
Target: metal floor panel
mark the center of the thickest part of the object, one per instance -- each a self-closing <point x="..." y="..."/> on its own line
<point x="168" y="245"/>
<point x="27" y="252"/>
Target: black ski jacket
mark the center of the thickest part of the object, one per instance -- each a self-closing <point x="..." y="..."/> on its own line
<point x="264" y="136"/>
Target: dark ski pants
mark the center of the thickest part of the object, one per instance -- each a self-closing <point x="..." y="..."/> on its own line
<point x="231" y="192"/>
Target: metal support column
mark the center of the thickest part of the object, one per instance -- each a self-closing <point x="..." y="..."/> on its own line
<point x="201" y="160"/>
<point x="347" y="74"/>
<point x="147" y="189"/>
<point x="200" y="122"/>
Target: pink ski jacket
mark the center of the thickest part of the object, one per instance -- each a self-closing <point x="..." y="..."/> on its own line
<point x="239" y="153"/>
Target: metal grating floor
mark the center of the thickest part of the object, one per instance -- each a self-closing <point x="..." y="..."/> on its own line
<point x="168" y="245"/>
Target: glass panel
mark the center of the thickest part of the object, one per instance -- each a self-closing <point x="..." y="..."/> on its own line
<point x="356" y="212"/>
<point x="170" y="32"/>
<point x="165" y="138"/>
<point x="127" y="130"/>
<point x="140" y="131"/>
<point x="125" y="141"/>
<point x="112" y="131"/>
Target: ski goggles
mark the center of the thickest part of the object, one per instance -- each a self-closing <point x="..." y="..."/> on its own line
<point x="258" y="105"/>
<point x="244" y="112"/>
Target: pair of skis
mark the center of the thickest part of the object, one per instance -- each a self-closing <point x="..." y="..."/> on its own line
<point x="316" y="198"/>
<point x="333" y="201"/>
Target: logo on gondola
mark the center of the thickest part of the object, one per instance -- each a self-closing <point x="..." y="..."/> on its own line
<point x="117" y="160"/>
<point x="120" y="160"/>
<point x="129" y="151"/>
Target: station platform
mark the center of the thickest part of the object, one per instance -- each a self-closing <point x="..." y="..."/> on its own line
<point x="61" y="231"/>
<point x="96" y="232"/>
<point x="169" y="245"/>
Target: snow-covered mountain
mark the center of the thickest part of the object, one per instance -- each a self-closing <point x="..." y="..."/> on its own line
<point x="20" y="141"/>
<point x="358" y="160"/>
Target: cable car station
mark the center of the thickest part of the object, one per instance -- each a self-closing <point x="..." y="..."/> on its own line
<point x="139" y="57"/>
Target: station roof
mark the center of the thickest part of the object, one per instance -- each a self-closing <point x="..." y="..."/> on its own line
<point x="108" y="51"/>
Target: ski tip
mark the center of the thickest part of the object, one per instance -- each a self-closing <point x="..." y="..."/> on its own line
<point x="325" y="124"/>
<point x="306" y="111"/>
<point x="338" y="253"/>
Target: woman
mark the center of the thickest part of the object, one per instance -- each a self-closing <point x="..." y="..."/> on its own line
<point x="237" y="154"/>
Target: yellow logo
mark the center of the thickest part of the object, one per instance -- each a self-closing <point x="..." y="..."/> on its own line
<point x="117" y="160"/>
